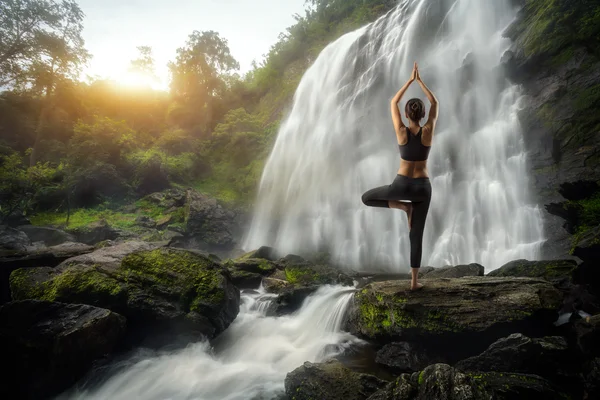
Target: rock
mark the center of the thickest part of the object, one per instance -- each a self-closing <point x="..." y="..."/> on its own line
<point x="264" y="252"/>
<point x="442" y="382"/>
<point x="44" y="257"/>
<point x="16" y="219"/>
<point x="457" y="271"/>
<point x="555" y="271"/>
<point x="588" y="246"/>
<point x="163" y="222"/>
<point x="592" y="380"/>
<point x="329" y="381"/>
<point x="207" y="221"/>
<point x="96" y="232"/>
<point x="168" y="199"/>
<point x="403" y="357"/>
<point x="273" y="285"/>
<point x="299" y="271"/>
<point x="476" y="310"/>
<point x="49" y="346"/>
<point x="158" y="290"/>
<point x="50" y="236"/>
<point x="145" y="222"/>
<point x="247" y="273"/>
<point x="291" y="297"/>
<point x="12" y="241"/>
<point x="549" y="357"/>
<point x="588" y="336"/>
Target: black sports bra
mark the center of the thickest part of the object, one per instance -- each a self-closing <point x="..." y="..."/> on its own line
<point x="414" y="149"/>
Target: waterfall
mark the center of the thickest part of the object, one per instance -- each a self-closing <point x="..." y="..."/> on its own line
<point x="338" y="141"/>
<point x="249" y="360"/>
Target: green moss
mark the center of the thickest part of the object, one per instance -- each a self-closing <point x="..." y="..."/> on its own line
<point x="22" y="285"/>
<point x="421" y="378"/>
<point x="85" y="284"/>
<point x="196" y="280"/>
<point x="301" y="275"/>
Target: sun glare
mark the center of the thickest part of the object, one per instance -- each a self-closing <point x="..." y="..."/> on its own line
<point x="136" y="80"/>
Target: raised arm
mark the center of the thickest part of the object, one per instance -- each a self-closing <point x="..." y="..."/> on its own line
<point x="396" y="117"/>
<point x="433" y="111"/>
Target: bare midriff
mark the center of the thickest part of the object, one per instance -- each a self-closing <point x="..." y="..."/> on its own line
<point x="413" y="169"/>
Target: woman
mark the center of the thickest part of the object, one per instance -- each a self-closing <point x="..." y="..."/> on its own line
<point x="412" y="182"/>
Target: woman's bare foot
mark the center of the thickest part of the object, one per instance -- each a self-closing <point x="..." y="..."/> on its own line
<point x="416" y="287"/>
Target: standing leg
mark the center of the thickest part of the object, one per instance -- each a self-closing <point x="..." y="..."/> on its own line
<point x="419" y="216"/>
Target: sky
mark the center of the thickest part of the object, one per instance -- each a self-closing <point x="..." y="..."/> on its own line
<point x="114" y="28"/>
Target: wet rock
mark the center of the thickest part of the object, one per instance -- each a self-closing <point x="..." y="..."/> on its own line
<point x="264" y="252"/>
<point x="474" y="311"/>
<point x="457" y="271"/>
<point x="588" y="246"/>
<point x="549" y="357"/>
<point x="299" y="271"/>
<point x="588" y="336"/>
<point x="157" y="290"/>
<point x="555" y="271"/>
<point x="12" y="241"/>
<point x="403" y="357"/>
<point x="442" y="382"/>
<point x="49" y="346"/>
<point x="329" y="381"/>
<point x="49" y="236"/>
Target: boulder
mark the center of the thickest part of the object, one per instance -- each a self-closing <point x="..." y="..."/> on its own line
<point x="299" y="271"/>
<point x="12" y="241"/>
<point x="247" y="272"/>
<point x="588" y="246"/>
<point x="50" y="236"/>
<point x="164" y="222"/>
<point x="48" y="346"/>
<point x="96" y="232"/>
<point x="402" y="357"/>
<point x="207" y="221"/>
<point x="457" y="271"/>
<point x="476" y="310"/>
<point x="158" y="290"/>
<point x="442" y="382"/>
<point x="549" y="357"/>
<point x="588" y="336"/>
<point x="169" y="198"/>
<point x="264" y="252"/>
<point x="555" y="271"/>
<point x="329" y="381"/>
<point x="46" y="256"/>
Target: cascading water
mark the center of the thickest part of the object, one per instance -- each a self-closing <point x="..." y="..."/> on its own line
<point x="338" y="142"/>
<point x="250" y="360"/>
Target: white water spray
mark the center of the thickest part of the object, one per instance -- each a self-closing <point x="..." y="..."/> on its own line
<point x="338" y="142"/>
<point x="251" y="360"/>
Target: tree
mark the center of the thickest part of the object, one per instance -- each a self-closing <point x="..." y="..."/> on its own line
<point x="197" y="78"/>
<point x="144" y="64"/>
<point x="40" y="47"/>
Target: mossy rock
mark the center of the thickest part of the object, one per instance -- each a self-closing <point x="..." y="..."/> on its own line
<point x="329" y="380"/>
<point x="171" y="288"/>
<point x="301" y="272"/>
<point x="555" y="271"/>
<point x="441" y="381"/>
<point x="481" y="308"/>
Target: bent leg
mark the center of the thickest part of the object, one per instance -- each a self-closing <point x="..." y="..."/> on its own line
<point x="377" y="197"/>
<point x="419" y="216"/>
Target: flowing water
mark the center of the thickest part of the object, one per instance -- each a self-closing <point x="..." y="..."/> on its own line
<point x="249" y="361"/>
<point x="338" y="142"/>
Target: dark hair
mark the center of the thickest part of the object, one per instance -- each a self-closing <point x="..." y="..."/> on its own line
<point x="415" y="109"/>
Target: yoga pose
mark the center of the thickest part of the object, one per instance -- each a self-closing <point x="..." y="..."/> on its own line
<point x="411" y="190"/>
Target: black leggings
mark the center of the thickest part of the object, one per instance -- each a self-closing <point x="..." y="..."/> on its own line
<point x="415" y="190"/>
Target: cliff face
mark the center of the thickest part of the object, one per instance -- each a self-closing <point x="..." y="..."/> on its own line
<point x="556" y="58"/>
